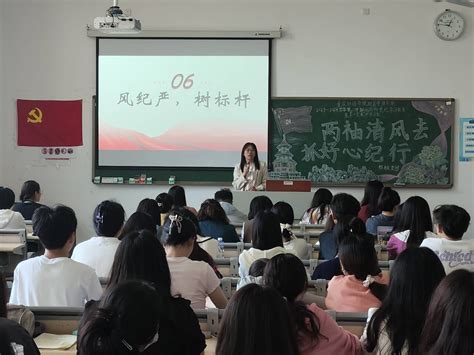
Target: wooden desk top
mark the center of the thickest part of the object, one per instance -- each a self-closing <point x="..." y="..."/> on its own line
<point x="10" y="247"/>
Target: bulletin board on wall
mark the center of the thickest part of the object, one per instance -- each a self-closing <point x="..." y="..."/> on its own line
<point x="349" y="141"/>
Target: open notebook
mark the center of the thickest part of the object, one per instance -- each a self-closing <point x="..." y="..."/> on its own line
<point x="55" y="341"/>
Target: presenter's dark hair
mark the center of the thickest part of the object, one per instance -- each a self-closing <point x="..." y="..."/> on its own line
<point x="127" y="317"/>
<point x="54" y="225"/>
<point x="248" y="310"/>
<point x="449" y="324"/>
<point x="140" y="256"/>
<point x="164" y="201"/>
<point x="136" y="222"/>
<point x="242" y="157"/>
<point x="286" y="274"/>
<point x="372" y="191"/>
<point x="285" y="213"/>
<point x="7" y="198"/>
<point x="259" y="203"/>
<point x="150" y="207"/>
<point x="388" y="199"/>
<point x="108" y="218"/>
<point x="266" y="231"/>
<point x="415" y="217"/>
<point x="359" y="258"/>
<point x="212" y="210"/>
<point x="178" y="195"/>
<point x="453" y="219"/>
<point x="28" y="190"/>
<point x="413" y="278"/>
<point x="224" y="195"/>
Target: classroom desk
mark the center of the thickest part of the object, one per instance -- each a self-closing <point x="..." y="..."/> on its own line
<point x="210" y="349"/>
<point x="10" y="247"/>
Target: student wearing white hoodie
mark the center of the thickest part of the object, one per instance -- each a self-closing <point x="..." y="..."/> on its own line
<point x="8" y="218"/>
<point x="266" y="239"/>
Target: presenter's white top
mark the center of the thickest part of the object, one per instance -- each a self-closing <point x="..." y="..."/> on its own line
<point x="98" y="253"/>
<point x="58" y="282"/>
<point x="255" y="178"/>
<point x="454" y="254"/>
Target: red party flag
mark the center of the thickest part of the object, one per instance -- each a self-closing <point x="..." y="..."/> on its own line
<point x="49" y="123"/>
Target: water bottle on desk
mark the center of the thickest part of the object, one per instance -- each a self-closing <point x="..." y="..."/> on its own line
<point x="220" y="248"/>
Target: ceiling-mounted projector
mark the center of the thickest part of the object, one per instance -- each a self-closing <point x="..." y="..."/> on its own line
<point x="115" y="21"/>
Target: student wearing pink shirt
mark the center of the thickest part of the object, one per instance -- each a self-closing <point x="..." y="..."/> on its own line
<point x="363" y="285"/>
<point x="318" y="333"/>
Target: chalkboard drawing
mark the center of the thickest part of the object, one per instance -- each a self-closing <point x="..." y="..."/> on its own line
<point x="293" y="119"/>
<point x="430" y="166"/>
<point x="353" y="174"/>
<point x="284" y="166"/>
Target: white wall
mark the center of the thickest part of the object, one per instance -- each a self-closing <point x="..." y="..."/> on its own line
<point x="328" y="49"/>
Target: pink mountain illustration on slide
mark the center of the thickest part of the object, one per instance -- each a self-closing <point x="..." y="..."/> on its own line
<point x="113" y="138"/>
<point x="193" y="138"/>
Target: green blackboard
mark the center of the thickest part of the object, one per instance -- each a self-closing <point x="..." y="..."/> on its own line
<point x="348" y="141"/>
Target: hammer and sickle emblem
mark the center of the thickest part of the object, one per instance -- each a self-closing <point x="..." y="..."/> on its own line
<point x="35" y="116"/>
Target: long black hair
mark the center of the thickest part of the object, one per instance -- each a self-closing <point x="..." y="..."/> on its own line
<point x="286" y="274"/>
<point x="257" y="321"/>
<point x="179" y="196"/>
<point x="321" y="201"/>
<point x="126" y="320"/>
<point x="140" y="256"/>
<point x="284" y="211"/>
<point x="255" y="159"/>
<point x="257" y="204"/>
<point x="108" y="218"/>
<point x="266" y="231"/>
<point x="413" y="279"/>
<point x="416" y="217"/>
<point x="372" y="191"/>
<point x="449" y="324"/>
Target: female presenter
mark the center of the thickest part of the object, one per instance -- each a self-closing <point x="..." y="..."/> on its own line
<point x="250" y="174"/>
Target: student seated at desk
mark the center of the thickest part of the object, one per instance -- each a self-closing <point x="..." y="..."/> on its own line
<point x="192" y="280"/>
<point x="52" y="279"/>
<point x="318" y="332"/>
<point x="140" y="256"/>
<point x="214" y="223"/>
<point x="318" y="213"/>
<point x="98" y="252"/>
<point x="387" y="203"/>
<point x="14" y="339"/>
<point x="395" y="327"/>
<point x="30" y="195"/>
<point x="258" y="204"/>
<point x="225" y="198"/>
<point x="8" y="218"/>
<point x="451" y="222"/>
<point x="363" y="285"/>
<point x="126" y="321"/>
<point x="267" y="241"/>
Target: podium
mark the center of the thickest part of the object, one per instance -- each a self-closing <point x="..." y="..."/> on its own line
<point x="289" y="185"/>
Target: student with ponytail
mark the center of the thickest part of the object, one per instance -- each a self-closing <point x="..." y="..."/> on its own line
<point x="126" y="321"/>
<point x="331" y="268"/>
<point x="362" y="285"/>
<point x="298" y="246"/>
<point x="140" y="256"/>
<point x="193" y="280"/>
<point x="98" y="252"/>
<point x="317" y="332"/>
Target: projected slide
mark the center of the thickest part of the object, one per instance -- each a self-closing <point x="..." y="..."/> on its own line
<point x="181" y="103"/>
